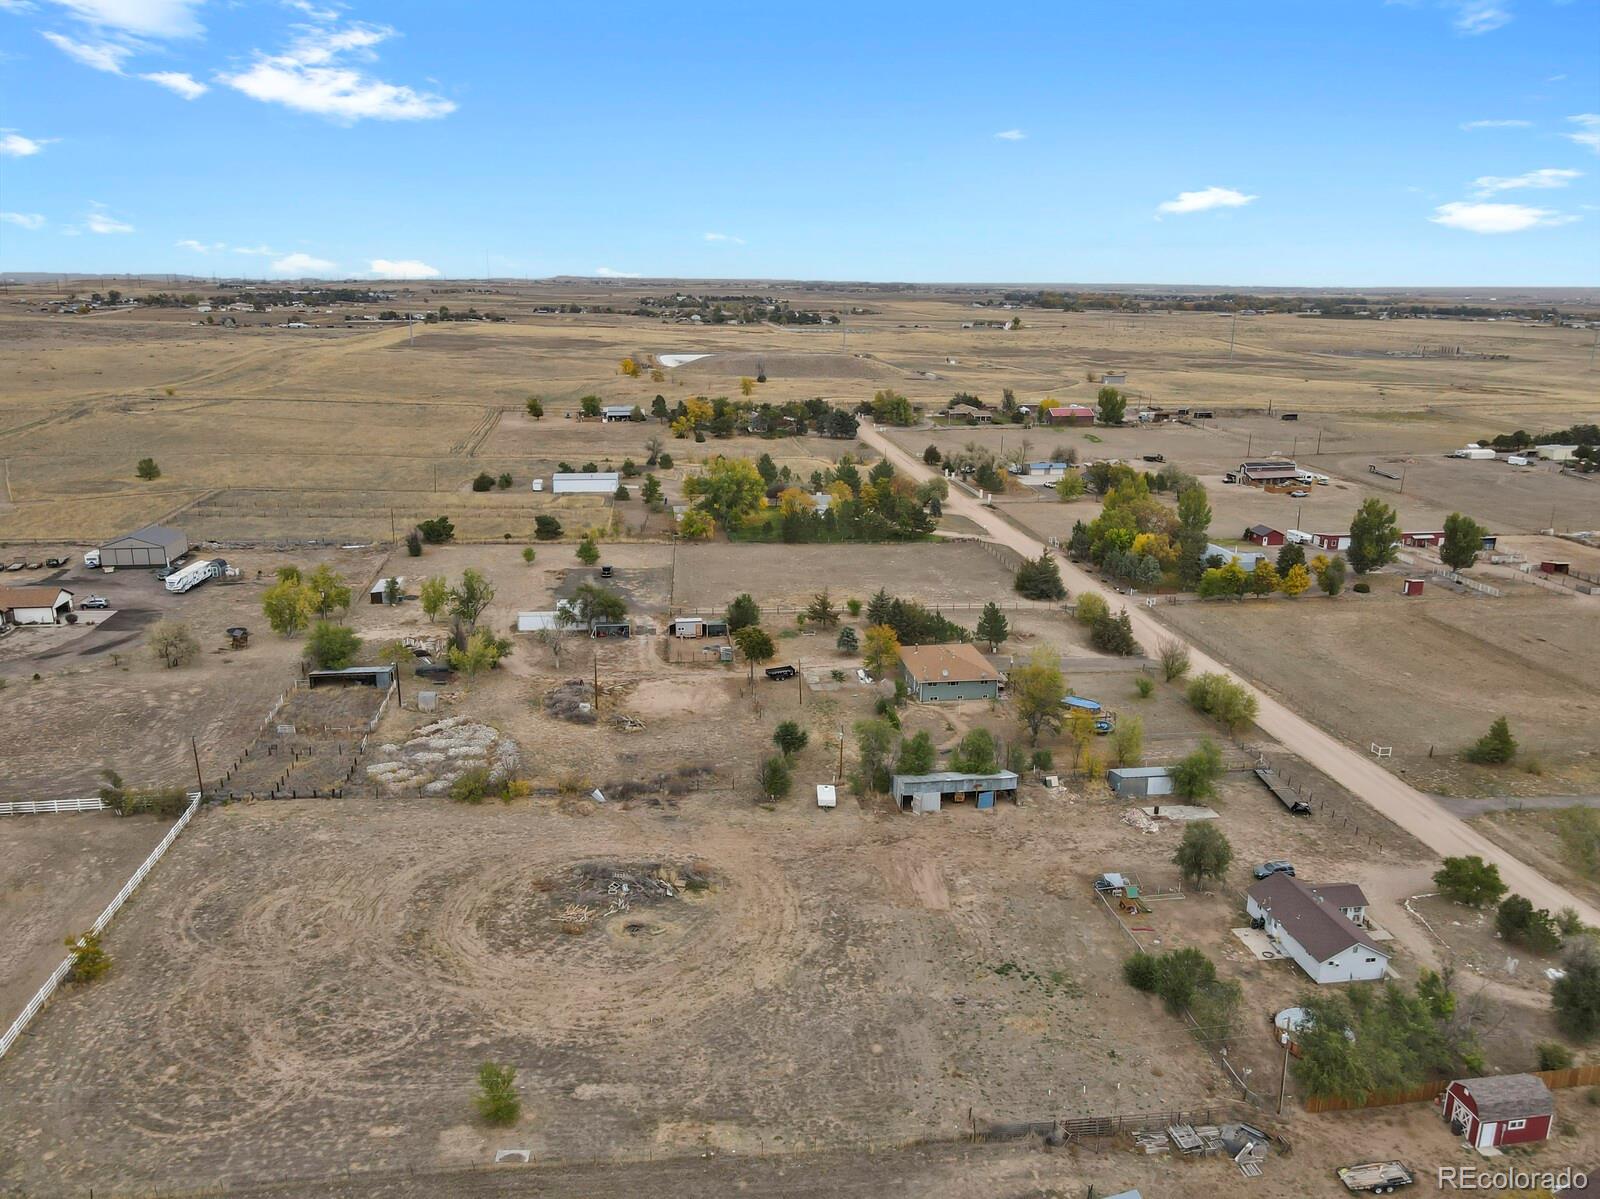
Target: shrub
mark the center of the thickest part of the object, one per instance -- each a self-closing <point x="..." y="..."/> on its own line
<point x="1139" y="972"/>
<point x="498" y="1102"/>
<point x="1494" y="748"/>
<point x="1043" y="759"/>
<point x="529" y="553"/>
<point x="414" y="544"/>
<point x="1090" y="608"/>
<point x="437" y="531"/>
<point x="1040" y="579"/>
<point x="546" y="528"/>
<point x="1553" y="1055"/>
<point x="1231" y="704"/>
<point x="588" y="551"/>
<point x="775" y="778"/>
<point x="1174" y="659"/>
<point x="1576" y="996"/>
<point x="1144" y="685"/>
<point x="147" y="469"/>
<point x="484" y="482"/>
<point x="1195" y="776"/>
<point x="1519" y="922"/>
<point x="332" y="646"/>
<point x="1203" y="853"/>
<point x="473" y="787"/>
<point x="1361" y="588"/>
<point x="89" y="959"/>
<point x="1114" y="635"/>
<point x="504" y="481"/>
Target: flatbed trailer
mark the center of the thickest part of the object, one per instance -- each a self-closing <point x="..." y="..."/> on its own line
<point x="1376" y="1178"/>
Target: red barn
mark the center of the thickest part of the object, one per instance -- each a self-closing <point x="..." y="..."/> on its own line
<point x="1069" y="414"/>
<point x="1505" y="1109"/>
<point x="1263" y="535"/>
<point x="1422" y="540"/>
<point x="1331" y="541"/>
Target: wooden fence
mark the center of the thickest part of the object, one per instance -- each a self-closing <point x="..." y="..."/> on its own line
<point x="1575" y="1076"/>
<point x="59" y="974"/>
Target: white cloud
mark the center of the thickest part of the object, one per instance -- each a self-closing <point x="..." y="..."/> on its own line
<point x="1474" y="17"/>
<point x="27" y="220"/>
<point x="101" y="221"/>
<point x="301" y="264"/>
<point x="14" y="145"/>
<point x="1546" y="177"/>
<point x="146" y="18"/>
<point x="1588" y="134"/>
<point x="403" y="268"/>
<point x="258" y="251"/>
<point x="1011" y="135"/>
<point x="606" y="272"/>
<point x="182" y="82"/>
<point x="1496" y="218"/>
<point x="310" y="77"/>
<point x="200" y="247"/>
<point x="1201" y="201"/>
<point x="727" y="237"/>
<point x="102" y="56"/>
<point x="1509" y="124"/>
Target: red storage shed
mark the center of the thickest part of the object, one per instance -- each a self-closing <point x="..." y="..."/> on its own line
<point x="1504" y="1109"/>
<point x="1264" y="535"/>
<point x="1411" y="587"/>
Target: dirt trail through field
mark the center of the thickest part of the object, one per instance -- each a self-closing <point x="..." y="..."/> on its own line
<point x="1416" y="813"/>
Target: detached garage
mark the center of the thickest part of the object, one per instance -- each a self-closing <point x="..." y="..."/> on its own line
<point x="34" y="605"/>
<point x="153" y="545"/>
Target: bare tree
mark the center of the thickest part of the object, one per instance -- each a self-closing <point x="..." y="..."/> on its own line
<point x="551" y="640"/>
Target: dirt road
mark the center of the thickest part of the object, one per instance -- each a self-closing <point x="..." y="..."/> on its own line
<point x="1418" y="814"/>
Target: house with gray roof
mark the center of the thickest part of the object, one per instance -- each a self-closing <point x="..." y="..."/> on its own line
<point x="1320" y="927"/>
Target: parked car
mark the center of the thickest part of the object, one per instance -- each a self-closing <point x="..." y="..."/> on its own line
<point x="52" y="563"/>
<point x="606" y="572"/>
<point x="1299" y="495"/>
<point x="1155" y="457"/>
<point x="93" y="601"/>
<point x="17" y="565"/>
<point x="779" y="673"/>
<point x="862" y="676"/>
<point x="1268" y="869"/>
<point x="36" y="566"/>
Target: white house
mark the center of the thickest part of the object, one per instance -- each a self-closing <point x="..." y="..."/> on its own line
<point x="538" y="622"/>
<point x="585" y="483"/>
<point x="1246" y="559"/>
<point x="1320" y="927"/>
<point x="34" y="605"/>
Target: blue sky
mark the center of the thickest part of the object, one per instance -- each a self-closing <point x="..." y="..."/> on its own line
<point x="1357" y="142"/>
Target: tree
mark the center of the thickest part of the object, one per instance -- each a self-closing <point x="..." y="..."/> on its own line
<point x="332" y="646"/>
<point x="147" y="469"/>
<point x="1180" y="972"/>
<point x="1174" y="659"/>
<point x="695" y="526"/>
<point x="483" y="482"/>
<point x="891" y="408"/>
<point x="503" y="480"/>
<point x="1576" y="996"/>
<point x="1330" y="575"/>
<point x="1037" y="688"/>
<point x="1291" y="554"/>
<point x="434" y="594"/>
<point x="437" y="531"/>
<point x="482" y="652"/>
<point x="976" y="753"/>
<point x="1463" y="538"/>
<point x="993" y="626"/>
<point x="790" y="738"/>
<point x="89" y="958"/>
<point x="629" y="367"/>
<point x="1553" y="1055"/>
<point x="1231" y="704"/>
<point x="1264" y="578"/>
<point x="1295" y="580"/>
<point x="1373" y="533"/>
<point x="588" y="551"/>
<point x="1520" y="923"/>
<point x="755" y="646"/>
<point x="728" y="489"/>
<point x="1203" y="853"/>
<point x="1127" y="741"/>
<point x="775" y="778"/>
<point x="546" y="528"/>
<point x="414" y="544"/>
<point x="1091" y="608"/>
<point x="931" y="456"/>
<point x="821" y="611"/>
<point x="848" y="643"/>
<point x="917" y="755"/>
<point x="1070" y="486"/>
<point x="1113" y="405"/>
<point x="650" y="492"/>
<point x="1195" y="776"/>
<point x="529" y="554"/>
<point x="589" y="406"/>
<point x="392" y="594"/>
<point x="1194" y="525"/>
<point x="535" y="407"/>
<point x="498" y="1102"/>
<point x="173" y="644"/>
<point x="1470" y="881"/>
<point x="590" y="603"/>
<point x="1494" y="748"/>
<point x="469" y="598"/>
<point x="1040" y="579"/>
<point x="882" y="651"/>
<point x="1330" y="1063"/>
<point x="287" y="606"/>
<point x="328" y="591"/>
<point x="742" y="612"/>
<point x="1114" y="635"/>
<point x="874" y="740"/>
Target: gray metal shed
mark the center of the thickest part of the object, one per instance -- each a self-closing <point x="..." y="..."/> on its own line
<point x="952" y="785"/>
<point x="153" y="545"/>
<point x="1140" y="781"/>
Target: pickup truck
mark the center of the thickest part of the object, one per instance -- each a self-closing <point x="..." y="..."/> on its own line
<point x="779" y="673"/>
<point x="1376" y="1178"/>
<point x="1155" y="457"/>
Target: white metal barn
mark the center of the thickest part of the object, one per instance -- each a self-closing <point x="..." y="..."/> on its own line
<point x="585" y="483"/>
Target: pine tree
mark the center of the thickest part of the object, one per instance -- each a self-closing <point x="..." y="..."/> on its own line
<point x="993" y="626"/>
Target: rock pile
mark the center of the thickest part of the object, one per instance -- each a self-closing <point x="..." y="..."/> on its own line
<point x="438" y="754"/>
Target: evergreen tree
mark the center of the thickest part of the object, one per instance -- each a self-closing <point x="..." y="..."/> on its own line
<point x="993" y="626"/>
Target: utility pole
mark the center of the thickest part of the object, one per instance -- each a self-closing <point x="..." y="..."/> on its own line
<point x="838" y="773"/>
<point x="199" y="782"/>
<point x="1232" y="330"/>
<point x="1283" y="1074"/>
<point x="800" y="681"/>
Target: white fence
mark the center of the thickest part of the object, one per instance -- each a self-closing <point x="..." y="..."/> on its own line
<point x="29" y="807"/>
<point x="42" y="995"/>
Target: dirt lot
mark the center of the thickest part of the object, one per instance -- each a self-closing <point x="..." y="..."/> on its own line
<point x="1427" y="673"/>
<point x="57" y="873"/>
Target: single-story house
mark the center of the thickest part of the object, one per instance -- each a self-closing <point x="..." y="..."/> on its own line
<point x="378" y="593"/>
<point x="1331" y="541"/>
<point x="1269" y="470"/>
<point x="958" y="671"/>
<point x="1320" y="927"/>
<point x="380" y="677"/>
<point x="690" y="627"/>
<point x="153" y="545"/>
<point x="538" y="622"/>
<point x="1503" y="1109"/>
<point x="926" y="792"/>
<point x="585" y="482"/>
<point x="1423" y="540"/>
<point x="1069" y="414"/>
<point x="34" y="605"/>
<point x="1246" y="559"/>
<point x="616" y="412"/>
<point x="1139" y="782"/>
<point x="1264" y="535"/>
